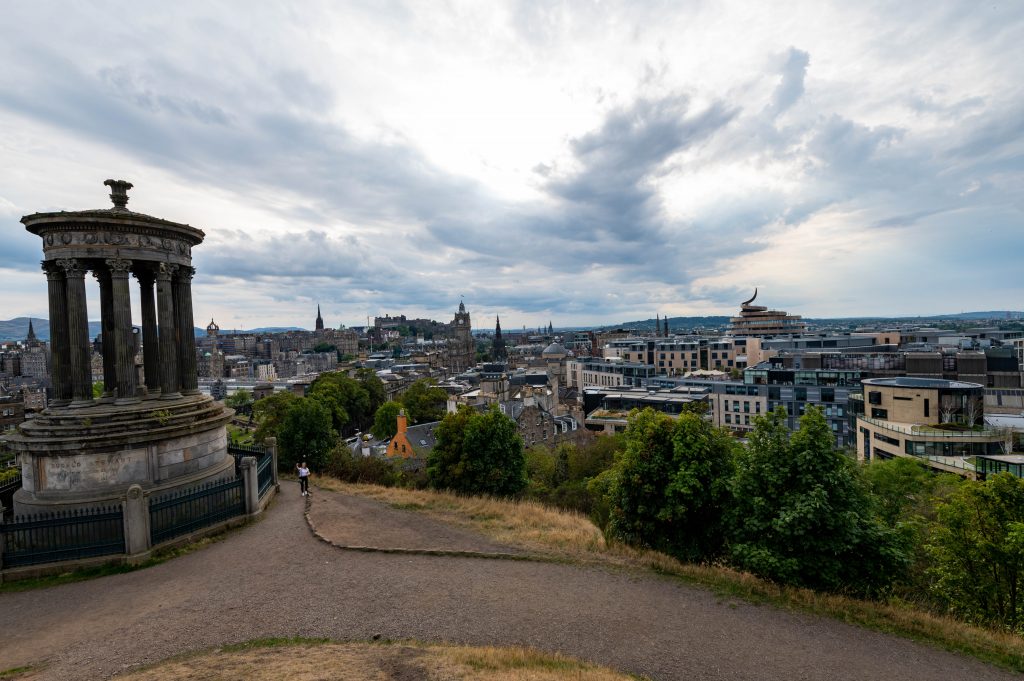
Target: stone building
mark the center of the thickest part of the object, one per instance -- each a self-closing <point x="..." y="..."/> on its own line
<point x="759" y="321"/>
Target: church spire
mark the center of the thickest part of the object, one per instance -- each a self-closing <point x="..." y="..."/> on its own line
<point x="319" y="319"/>
<point x="31" y="331"/>
<point x="499" y="343"/>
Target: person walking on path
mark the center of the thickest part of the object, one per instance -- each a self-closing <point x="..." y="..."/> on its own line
<point x="303" y="478"/>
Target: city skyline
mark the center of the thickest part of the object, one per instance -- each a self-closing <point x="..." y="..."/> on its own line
<point x="581" y="164"/>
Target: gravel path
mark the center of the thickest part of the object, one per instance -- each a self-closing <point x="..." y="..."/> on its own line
<point x="275" y="579"/>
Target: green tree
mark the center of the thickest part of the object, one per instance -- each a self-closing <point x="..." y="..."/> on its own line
<point x="541" y="471"/>
<point x="346" y="399"/>
<point x="270" y="412"/>
<point x="444" y="462"/>
<point x="240" y="401"/>
<point x="97" y="389"/>
<point x="671" y="490"/>
<point x="373" y="386"/>
<point x="904" y="488"/>
<point x="306" y="435"/>
<point x="324" y="347"/>
<point x="802" y="516"/>
<point x="385" y="421"/>
<point x="977" y="547"/>
<point x="478" y="454"/>
<point x="424" y="401"/>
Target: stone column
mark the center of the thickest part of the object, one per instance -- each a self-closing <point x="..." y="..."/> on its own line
<point x="107" y="332"/>
<point x="78" y="333"/>
<point x="250" y="485"/>
<point x="271" y="444"/>
<point x="136" y="525"/>
<point x="150" y="337"/>
<point x="60" y="351"/>
<point x="168" y="341"/>
<point x="124" y="365"/>
<point x="187" y="370"/>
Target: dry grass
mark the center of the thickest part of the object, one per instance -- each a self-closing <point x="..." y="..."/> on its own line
<point x="528" y="525"/>
<point x="280" y="659"/>
<point x="569" y="536"/>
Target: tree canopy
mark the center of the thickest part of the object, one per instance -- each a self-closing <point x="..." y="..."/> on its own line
<point x="670" y="486"/>
<point x="478" y="454"/>
<point x="270" y="412"/>
<point x="424" y="401"/>
<point x="802" y="516"/>
<point x="385" y="421"/>
<point x="306" y="434"/>
<point x="977" y="547"/>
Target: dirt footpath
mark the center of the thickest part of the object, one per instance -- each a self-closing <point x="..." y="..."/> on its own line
<point x="347" y="520"/>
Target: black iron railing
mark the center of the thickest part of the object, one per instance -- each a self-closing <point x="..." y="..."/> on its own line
<point x="240" y="451"/>
<point x="7" y="490"/>
<point x="178" y="513"/>
<point x="67" y="535"/>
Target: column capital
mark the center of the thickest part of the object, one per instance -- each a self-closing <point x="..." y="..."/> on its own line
<point x="165" y="271"/>
<point x="119" y="267"/>
<point x="73" y="267"/>
<point x="52" y="269"/>
<point x="185" y="273"/>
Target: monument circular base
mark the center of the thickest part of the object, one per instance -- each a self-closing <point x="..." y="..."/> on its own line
<point x="79" y="457"/>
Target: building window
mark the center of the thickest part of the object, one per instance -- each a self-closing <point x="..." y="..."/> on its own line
<point x="926" y="406"/>
<point x="874" y="397"/>
<point x="728" y="418"/>
<point x="877" y="413"/>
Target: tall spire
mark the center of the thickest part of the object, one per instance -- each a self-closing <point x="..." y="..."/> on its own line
<point x="499" y="343"/>
<point x="319" y="319"/>
<point x="31" y="331"/>
<point x="666" y="326"/>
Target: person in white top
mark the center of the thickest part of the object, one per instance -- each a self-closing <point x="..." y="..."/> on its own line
<point x="303" y="477"/>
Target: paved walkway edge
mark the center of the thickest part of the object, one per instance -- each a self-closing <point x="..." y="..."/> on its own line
<point x="419" y="552"/>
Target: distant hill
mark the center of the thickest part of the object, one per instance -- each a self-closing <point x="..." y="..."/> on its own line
<point x="262" y="329"/>
<point x="674" y="323"/>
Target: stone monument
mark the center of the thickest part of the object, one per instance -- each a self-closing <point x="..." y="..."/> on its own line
<point x="159" y="432"/>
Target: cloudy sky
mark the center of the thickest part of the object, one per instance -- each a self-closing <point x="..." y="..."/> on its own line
<point x="580" y="162"/>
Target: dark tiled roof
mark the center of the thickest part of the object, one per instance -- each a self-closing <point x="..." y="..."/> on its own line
<point x="422" y="437"/>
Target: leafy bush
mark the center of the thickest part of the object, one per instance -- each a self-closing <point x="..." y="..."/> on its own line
<point x="348" y="467"/>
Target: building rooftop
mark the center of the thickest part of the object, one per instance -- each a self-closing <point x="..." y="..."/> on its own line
<point x="910" y="382"/>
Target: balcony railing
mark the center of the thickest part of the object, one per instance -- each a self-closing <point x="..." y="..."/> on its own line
<point x="931" y="431"/>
